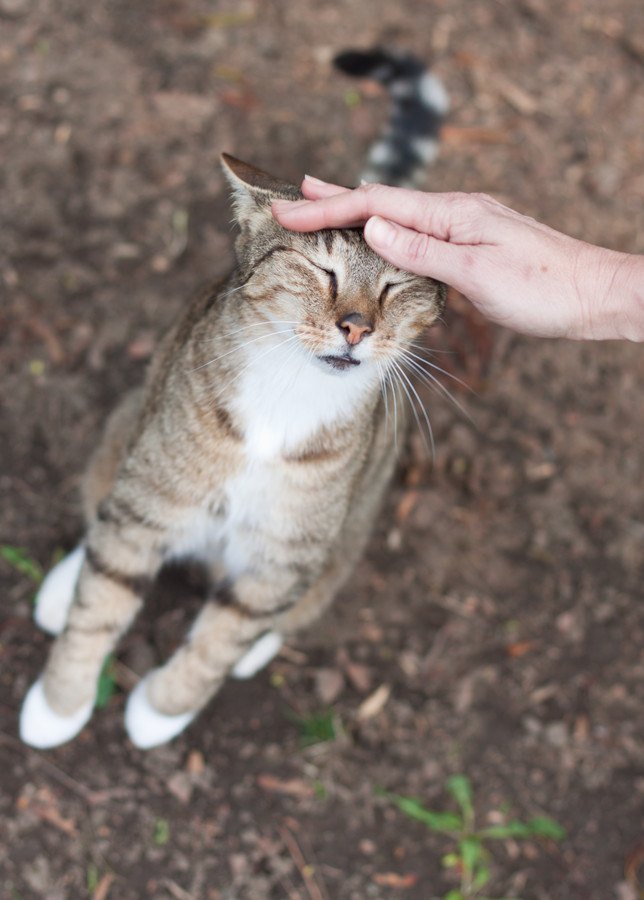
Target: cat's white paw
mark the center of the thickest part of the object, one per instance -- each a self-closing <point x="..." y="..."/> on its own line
<point x="57" y="592"/>
<point x="41" y="727"/>
<point x="145" y="726"/>
<point x="259" y="655"/>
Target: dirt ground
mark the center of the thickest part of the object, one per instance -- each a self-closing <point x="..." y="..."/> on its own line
<point x="499" y="603"/>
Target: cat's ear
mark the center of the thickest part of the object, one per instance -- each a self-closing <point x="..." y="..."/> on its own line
<point x="254" y="190"/>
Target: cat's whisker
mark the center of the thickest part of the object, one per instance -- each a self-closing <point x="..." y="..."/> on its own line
<point x="265" y="323"/>
<point x="407" y="386"/>
<point x="286" y="362"/>
<point x="241" y="347"/>
<point x="232" y="291"/>
<point x="393" y="394"/>
<point x="256" y="359"/>
<point x="431" y="350"/>
<point x="431" y="381"/>
<point x="383" y="390"/>
<point x="402" y="348"/>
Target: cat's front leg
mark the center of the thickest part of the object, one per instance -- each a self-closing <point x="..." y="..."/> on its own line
<point x="167" y="699"/>
<point x="115" y="572"/>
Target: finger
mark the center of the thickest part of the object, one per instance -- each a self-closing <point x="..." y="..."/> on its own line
<point x="301" y="215"/>
<point x="415" y="251"/>
<point x="314" y="189"/>
<point x="412" y="209"/>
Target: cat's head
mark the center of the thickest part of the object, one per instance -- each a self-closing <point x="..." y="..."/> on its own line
<point x="347" y="306"/>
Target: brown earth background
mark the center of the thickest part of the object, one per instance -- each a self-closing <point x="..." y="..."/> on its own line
<point x="500" y="601"/>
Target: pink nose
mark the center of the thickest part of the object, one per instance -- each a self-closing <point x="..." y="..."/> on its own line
<point x="354" y="326"/>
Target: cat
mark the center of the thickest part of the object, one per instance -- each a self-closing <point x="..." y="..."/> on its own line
<point x="261" y="443"/>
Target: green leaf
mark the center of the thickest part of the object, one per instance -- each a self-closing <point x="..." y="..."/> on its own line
<point x="106" y="687"/>
<point x="316" y="728"/>
<point x="544" y="826"/>
<point x="320" y="791"/>
<point x="539" y="826"/>
<point x="453" y="895"/>
<point x="513" y="829"/>
<point x="461" y="790"/>
<point x="482" y="877"/>
<point x="450" y="860"/>
<point x="437" y="821"/>
<point x="471" y="852"/>
<point x="22" y="562"/>
<point x="93" y="877"/>
<point x="161" y="833"/>
<point x="352" y="98"/>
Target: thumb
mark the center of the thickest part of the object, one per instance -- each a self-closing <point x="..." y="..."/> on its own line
<point x="412" y="250"/>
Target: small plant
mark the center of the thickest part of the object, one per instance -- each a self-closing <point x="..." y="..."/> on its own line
<point x="22" y="562"/>
<point x="92" y="877"/>
<point x="161" y="833"/>
<point x="316" y="728"/>
<point x="106" y="687"/>
<point x="470" y="857"/>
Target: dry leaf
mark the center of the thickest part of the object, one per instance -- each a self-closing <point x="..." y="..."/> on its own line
<point x="519" y="648"/>
<point x="180" y="786"/>
<point x="359" y="675"/>
<point x="328" y="685"/>
<point x="44" y="805"/>
<point x="374" y="703"/>
<point x="393" y="880"/>
<point x="294" y="787"/>
<point x="406" y="506"/>
<point x="103" y="887"/>
<point x="195" y="764"/>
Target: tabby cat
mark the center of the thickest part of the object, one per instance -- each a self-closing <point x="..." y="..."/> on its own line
<point x="259" y="444"/>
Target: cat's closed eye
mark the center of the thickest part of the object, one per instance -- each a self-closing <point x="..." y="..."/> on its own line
<point x="333" y="280"/>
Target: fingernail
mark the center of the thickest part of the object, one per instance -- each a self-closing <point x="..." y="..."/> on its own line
<point x="380" y="232"/>
<point x="314" y="180"/>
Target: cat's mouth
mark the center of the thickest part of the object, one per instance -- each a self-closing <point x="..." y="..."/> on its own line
<point x="340" y="362"/>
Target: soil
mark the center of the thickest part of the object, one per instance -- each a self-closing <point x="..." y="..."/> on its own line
<point x="499" y="603"/>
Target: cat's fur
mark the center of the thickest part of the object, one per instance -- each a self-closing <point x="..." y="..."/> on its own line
<point x="260" y="444"/>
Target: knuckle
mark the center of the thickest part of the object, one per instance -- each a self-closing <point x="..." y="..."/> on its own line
<point x="371" y="191"/>
<point x="370" y="187"/>
<point x="482" y="198"/>
<point x="417" y="246"/>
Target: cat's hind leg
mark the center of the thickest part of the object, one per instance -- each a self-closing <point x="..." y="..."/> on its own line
<point x="56" y="593"/>
<point x="148" y="727"/>
<point x="169" y="698"/>
<point x="258" y="657"/>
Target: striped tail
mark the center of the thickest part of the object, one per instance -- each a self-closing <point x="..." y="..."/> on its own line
<point x="419" y="105"/>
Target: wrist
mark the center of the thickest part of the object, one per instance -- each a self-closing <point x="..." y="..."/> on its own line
<point x="615" y="295"/>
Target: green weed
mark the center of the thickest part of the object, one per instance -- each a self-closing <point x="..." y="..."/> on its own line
<point x="92" y="877"/>
<point x="21" y="561"/>
<point x="316" y="728"/>
<point x="106" y="687"/>
<point x="470" y="858"/>
<point x="161" y="833"/>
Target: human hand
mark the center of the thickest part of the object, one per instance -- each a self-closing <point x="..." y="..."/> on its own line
<point x="518" y="272"/>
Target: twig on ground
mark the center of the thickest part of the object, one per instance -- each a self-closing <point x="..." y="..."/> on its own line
<point x="305" y="870"/>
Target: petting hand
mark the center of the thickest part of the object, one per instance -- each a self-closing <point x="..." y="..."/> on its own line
<point x="517" y="271"/>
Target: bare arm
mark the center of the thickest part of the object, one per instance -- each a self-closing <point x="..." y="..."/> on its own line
<point x="517" y="271"/>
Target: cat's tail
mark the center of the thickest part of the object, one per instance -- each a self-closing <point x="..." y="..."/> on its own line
<point x="420" y="103"/>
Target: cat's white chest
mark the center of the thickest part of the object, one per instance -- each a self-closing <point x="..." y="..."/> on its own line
<point x="282" y="403"/>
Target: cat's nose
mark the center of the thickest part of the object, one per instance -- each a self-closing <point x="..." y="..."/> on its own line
<point x="354" y="326"/>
